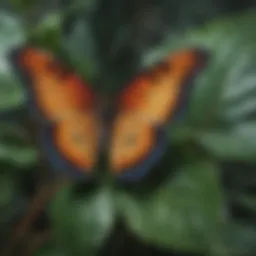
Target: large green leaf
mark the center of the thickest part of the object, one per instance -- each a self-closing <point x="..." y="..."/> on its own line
<point x="81" y="224"/>
<point x="184" y="213"/>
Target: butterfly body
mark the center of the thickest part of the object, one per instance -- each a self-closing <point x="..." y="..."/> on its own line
<point x="73" y="130"/>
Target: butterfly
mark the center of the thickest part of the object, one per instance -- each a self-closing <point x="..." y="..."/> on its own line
<point x="72" y="130"/>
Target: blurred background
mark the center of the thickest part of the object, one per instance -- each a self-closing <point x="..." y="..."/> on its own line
<point x="205" y="203"/>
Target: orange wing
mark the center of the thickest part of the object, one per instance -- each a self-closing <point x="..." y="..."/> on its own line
<point x="65" y="108"/>
<point x="145" y="106"/>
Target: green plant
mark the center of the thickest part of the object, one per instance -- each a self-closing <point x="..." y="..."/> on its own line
<point x="190" y="210"/>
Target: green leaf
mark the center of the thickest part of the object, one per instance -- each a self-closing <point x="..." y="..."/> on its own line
<point x="237" y="239"/>
<point x="15" y="145"/>
<point x="81" y="223"/>
<point x="47" y="32"/>
<point x="11" y="35"/>
<point x="20" y="156"/>
<point x="237" y="144"/>
<point x="184" y="213"/>
<point x="79" y="45"/>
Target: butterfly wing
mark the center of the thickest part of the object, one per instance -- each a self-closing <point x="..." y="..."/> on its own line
<point x="145" y="107"/>
<point x="63" y="106"/>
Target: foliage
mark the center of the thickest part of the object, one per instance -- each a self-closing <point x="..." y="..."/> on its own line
<point x="190" y="209"/>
